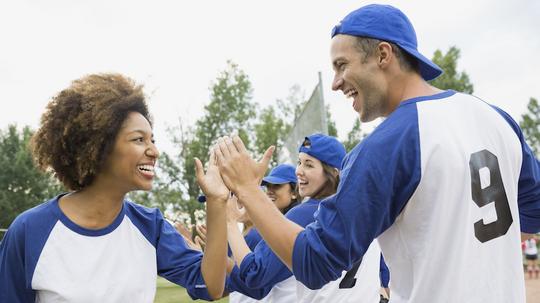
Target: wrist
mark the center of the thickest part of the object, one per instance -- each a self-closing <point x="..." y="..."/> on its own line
<point x="247" y="192"/>
<point x="232" y="226"/>
<point x="217" y="199"/>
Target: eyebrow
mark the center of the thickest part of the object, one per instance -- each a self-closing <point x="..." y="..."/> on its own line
<point x="141" y="132"/>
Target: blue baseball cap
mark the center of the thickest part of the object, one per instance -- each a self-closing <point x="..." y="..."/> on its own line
<point x="385" y="22"/>
<point x="281" y="174"/>
<point x="325" y="148"/>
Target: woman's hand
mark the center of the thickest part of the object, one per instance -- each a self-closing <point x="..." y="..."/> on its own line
<point x="210" y="182"/>
<point x="234" y="211"/>
<point x="238" y="170"/>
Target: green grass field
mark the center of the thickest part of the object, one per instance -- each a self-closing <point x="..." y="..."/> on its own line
<point x="168" y="292"/>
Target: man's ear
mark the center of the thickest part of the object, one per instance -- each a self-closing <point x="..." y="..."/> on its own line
<point x="384" y="50"/>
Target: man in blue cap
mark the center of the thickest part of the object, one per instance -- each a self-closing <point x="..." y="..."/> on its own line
<point x="446" y="182"/>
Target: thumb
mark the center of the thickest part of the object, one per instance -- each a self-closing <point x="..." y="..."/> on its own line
<point x="199" y="170"/>
<point x="267" y="156"/>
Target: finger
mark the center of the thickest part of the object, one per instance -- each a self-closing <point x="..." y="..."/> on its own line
<point x="230" y="145"/>
<point x="219" y="157"/>
<point x="199" y="170"/>
<point x="182" y="229"/>
<point x="201" y="232"/>
<point x="223" y="147"/>
<point x="239" y="144"/>
<point x="188" y="240"/>
<point x="267" y="156"/>
<point x="199" y="242"/>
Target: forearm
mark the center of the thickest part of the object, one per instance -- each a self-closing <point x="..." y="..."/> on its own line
<point x="278" y="232"/>
<point x="214" y="262"/>
<point x="237" y="242"/>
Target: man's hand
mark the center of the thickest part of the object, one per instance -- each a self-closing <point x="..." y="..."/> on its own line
<point x="236" y="166"/>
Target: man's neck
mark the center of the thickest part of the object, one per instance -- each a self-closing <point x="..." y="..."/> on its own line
<point x="407" y="86"/>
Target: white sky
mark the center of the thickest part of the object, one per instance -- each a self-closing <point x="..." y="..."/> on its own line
<point x="177" y="48"/>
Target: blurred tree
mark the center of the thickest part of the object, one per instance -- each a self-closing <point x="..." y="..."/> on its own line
<point x="451" y="78"/>
<point x="530" y="124"/>
<point x="354" y="136"/>
<point x="229" y="111"/>
<point x="22" y="185"/>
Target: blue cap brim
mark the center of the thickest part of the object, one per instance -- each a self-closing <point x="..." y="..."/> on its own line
<point x="428" y="69"/>
<point x="275" y="180"/>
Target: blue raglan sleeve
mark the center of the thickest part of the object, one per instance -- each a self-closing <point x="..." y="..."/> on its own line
<point x="14" y="284"/>
<point x="378" y="178"/>
<point x="384" y="273"/>
<point x="178" y="263"/>
<point x="529" y="182"/>
<point x="262" y="269"/>
<point x="253" y="238"/>
<point x="234" y="283"/>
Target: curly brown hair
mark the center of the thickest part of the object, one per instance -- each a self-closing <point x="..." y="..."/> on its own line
<point x="80" y="124"/>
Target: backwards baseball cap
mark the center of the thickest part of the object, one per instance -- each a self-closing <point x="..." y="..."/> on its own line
<point x="281" y="174"/>
<point x="385" y="22"/>
<point x="325" y="148"/>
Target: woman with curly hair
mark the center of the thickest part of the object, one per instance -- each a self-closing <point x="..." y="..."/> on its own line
<point x="91" y="244"/>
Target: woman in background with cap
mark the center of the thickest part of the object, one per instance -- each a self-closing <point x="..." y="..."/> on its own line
<point x="261" y="271"/>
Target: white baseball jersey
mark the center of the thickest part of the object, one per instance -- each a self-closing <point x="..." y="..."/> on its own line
<point x="262" y="272"/>
<point x="357" y="285"/>
<point x="447" y="183"/>
<point x="45" y="257"/>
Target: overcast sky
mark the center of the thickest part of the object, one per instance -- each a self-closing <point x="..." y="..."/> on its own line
<point x="177" y="48"/>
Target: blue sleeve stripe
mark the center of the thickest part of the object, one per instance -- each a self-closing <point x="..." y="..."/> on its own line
<point x="529" y="182"/>
<point x="262" y="268"/>
<point x="176" y="262"/>
<point x="234" y="283"/>
<point x="379" y="177"/>
<point x="20" y="250"/>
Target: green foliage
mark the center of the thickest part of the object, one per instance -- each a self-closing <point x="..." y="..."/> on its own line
<point x="354" y="136"/>
<point x="270" y="130"/>
<point x="22" y="185"/>
<point x="230" y="110"/>
<point x="332" y="129"/>
<point x="451" y="78"/>
<point x="530" y="124"/>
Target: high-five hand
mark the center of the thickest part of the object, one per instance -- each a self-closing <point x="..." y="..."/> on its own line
<point x="211" y="183"/>
<point x="236" y="166"/>
<point x="234" y="213"/>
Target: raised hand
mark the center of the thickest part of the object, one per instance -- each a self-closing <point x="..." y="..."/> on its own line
<point x="236" y="166"/>
<point x="210" y="182"/>
<point x="200" y="239"/>
<point x="234" y="212"/>
<point x="187" y="235"/>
